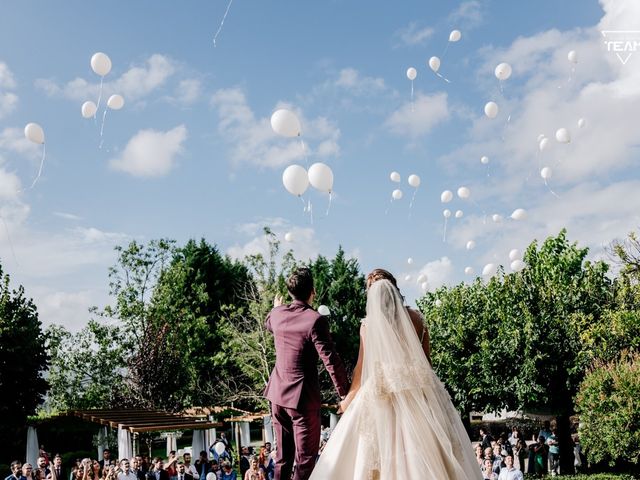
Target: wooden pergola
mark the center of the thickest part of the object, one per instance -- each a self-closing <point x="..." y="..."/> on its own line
<point x="143" y="420"/>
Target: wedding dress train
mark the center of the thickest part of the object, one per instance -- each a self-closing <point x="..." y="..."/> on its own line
<point x="401" y="425"/>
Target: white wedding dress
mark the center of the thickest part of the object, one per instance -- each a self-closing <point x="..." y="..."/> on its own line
<point x="401" y="425"/>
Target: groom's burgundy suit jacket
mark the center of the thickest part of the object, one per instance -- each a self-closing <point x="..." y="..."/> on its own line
<point x="301" y="336"/>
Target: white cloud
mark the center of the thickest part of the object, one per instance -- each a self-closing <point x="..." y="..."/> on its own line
<point x="304" y="243"/>
<point x="413" y="34"/>
<point x="253" y="141"/>
<point x="8" y="100"/>
<point x="418" y="118"/>
<point x="70" y="309"/>
<point x="467" y="15"/>
<point x="438" y="272"/>
<point x="350" y="79"/>
<point x="134" y="84"/>
<point x="12" y="140"/>
<point x="10" y="185"/>
<point x="67" y="216"/>
<point x="188" y="91"/>
<point x="151" y="153"/>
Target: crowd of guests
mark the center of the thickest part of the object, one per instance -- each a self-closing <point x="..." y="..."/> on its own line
<point x="508" y="456"/>
<point x="212" y="465"/>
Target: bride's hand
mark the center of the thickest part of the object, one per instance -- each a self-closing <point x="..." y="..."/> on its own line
<point x="342" y="406"/>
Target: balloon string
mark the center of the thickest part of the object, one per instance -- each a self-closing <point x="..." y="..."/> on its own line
<point x="104" y="117"/>
<point x="310" y="210"/>
<point x="412" y="95"/>
<point x="445" y="51"/>
<point x="44" y="150"/>
<point x="99" y="97"/>
<point x="443" y="78"/>
<point x="304" y="152"/>
<point x="215" y="37"/>
<point x="329" y="206"/>
<point x="444" y="231"/>
<point x="388" y="206"/>
<point x="549" y="188"/>
<point x="413" y="197"/>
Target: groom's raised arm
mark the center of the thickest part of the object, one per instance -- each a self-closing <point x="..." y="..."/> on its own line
<point x="321" y="337"/>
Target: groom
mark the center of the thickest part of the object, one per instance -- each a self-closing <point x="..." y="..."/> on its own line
<point x="301" y="335"/>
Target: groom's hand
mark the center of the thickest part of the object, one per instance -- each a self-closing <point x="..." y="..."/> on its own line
<point x="277" y="300"/>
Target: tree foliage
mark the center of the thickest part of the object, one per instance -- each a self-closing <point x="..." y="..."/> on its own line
<point x="512" y="342"/>
<point x="23" y="359"/>
<point x="610" y="412"/>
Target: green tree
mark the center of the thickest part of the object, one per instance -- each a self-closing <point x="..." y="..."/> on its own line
<point x="610" y="413"/>
<point x="513" y="342"/>
<point x="248" y="345"/>
<point x="23" y="359"/>
<point x="86" y="368"/>
<point x="340" y="286"/>
<point x="190" y="296"/>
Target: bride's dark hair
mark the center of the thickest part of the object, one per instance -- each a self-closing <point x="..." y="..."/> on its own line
<point x="382" y="274"/>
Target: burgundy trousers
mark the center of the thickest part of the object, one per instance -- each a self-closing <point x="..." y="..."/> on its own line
<point x="298" y="438"/>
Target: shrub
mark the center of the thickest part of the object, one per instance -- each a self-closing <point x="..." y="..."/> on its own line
<point x="609" y="411"/>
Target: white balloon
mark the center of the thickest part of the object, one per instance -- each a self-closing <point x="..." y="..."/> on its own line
<point x="422" y="278"/>
<point x="471" y="245"/>
<point x="563" y="135"/>
<point x="514" y="254"/>
<point x="407" y="278"/>
<point x="464" y="192"/>
<point x="459" y="214"/>
<point x="468" y="270"/>
<point x="412" y="73"/>
<point x="324" y="310"/>
<point x="220" y="448"/>
<point x="572" y="56"/>
<point x="503" y="71"/>
<point x="446" y="196"/>
<point x="484" y="160"/>
<point x="34" y="133"/>
<point x="414" y="181"/>
<point x="490" y="269"/>
<point x="497" y="218"/>
<point x="211" y="476"/>
<point x="288" y="237"/>
<point x="434" y="64"/>
<point x="540" y="137"/>
<point x="321" y="177"/>
<point x="518" y="265"/>
<point x="89" y="109"/>
<point x="395" y="177"/>
<point x="284" y="122"/>
<point x="295" y="179"/>
<point x="519" y="214"/>
<point x="581" y="123"/>
<point x="424" y="286"/>
<point x="546" y="173"/>
<point x="115" y="102"/>
<point x="397" y="194"/>
<point x="409" y="260"/>
<point x="101" y="63"/>
<point x="491" y="109"/>
<point x="438" y="303"/>
<point x="455" y="35"/>
<point x="543" y="144"/>
<point x="446" y="213"/>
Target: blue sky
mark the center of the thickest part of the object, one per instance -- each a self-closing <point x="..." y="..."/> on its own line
<point x="192" y="155"/>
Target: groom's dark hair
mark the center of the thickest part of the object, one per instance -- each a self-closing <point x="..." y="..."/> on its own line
<point x="300" y="284"/>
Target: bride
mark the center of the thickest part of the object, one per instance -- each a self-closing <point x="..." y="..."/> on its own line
<point x="399" y="422"/>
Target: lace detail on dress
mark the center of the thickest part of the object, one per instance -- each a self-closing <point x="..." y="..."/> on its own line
<point x="394" y="378"/>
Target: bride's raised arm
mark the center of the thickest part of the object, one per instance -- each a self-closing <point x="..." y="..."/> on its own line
<point x="357" y="374"/>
